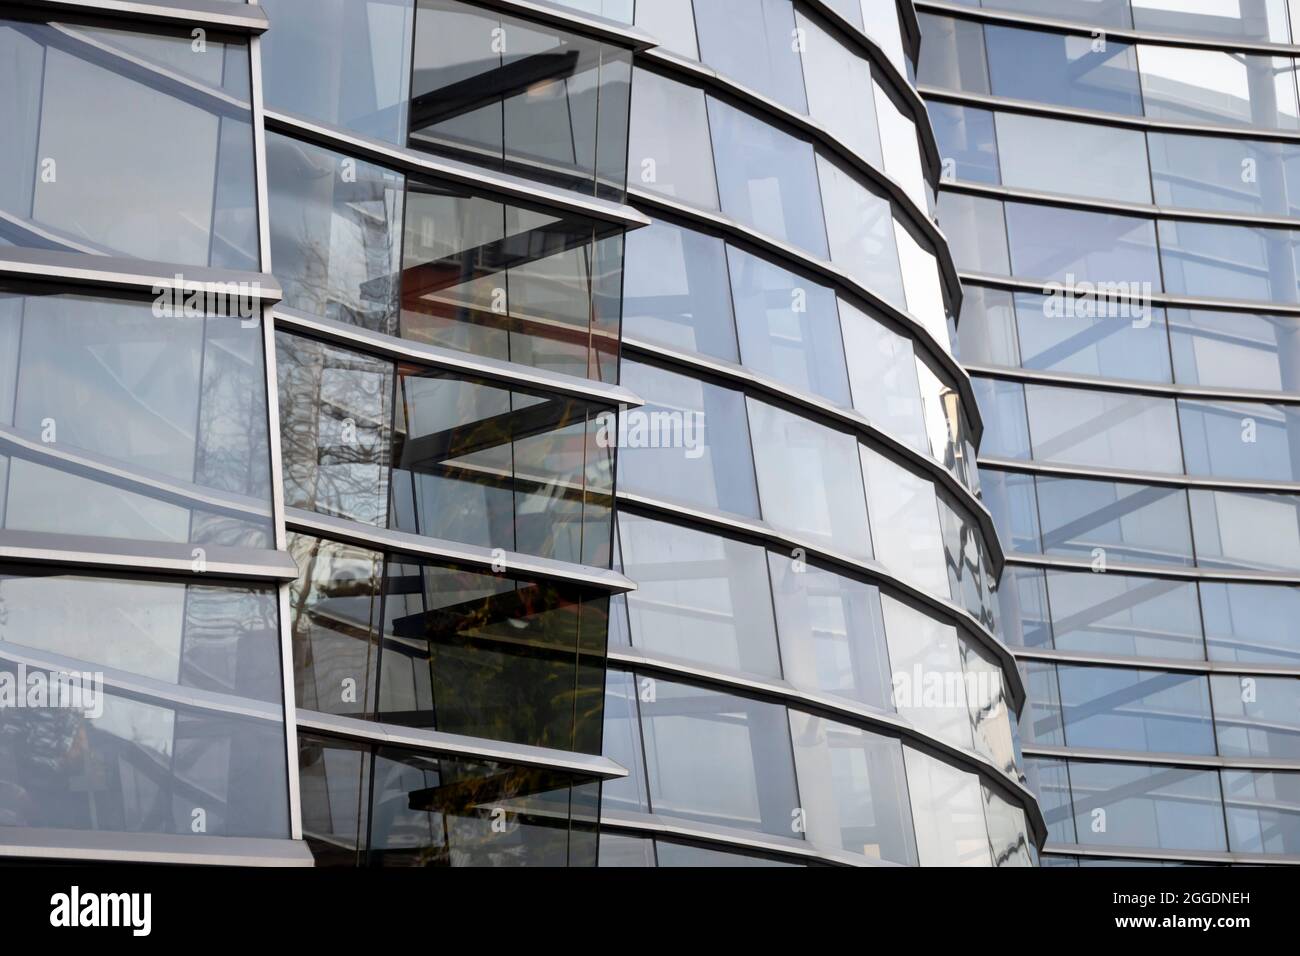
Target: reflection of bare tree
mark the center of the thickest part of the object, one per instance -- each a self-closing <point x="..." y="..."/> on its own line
<point x="335" y="431"/>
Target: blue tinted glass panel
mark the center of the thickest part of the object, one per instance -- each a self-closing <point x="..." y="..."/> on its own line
<point x="1063" y="70"/>
<point x="1137" y="523"/>
<point x="1108" y="708"/>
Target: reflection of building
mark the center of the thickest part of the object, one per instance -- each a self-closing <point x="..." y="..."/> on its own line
<point x="1144" y="147"/>
<point x="473" y="234"/>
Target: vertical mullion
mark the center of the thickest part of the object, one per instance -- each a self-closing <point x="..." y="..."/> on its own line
<point x="273" y="442"/>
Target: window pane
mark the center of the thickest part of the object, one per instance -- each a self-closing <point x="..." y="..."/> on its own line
<point x="434" y="811"/>
<point x="335" y="233"/>
<point x="1057" y="244"/>
<point x="1008" y="832"/>
<point x="1081" y="159"/>
<point x="1223" y="261"/>
<point x="621" y="742"/>
<point x="1103" y="429"/>
<point x="359" y="83"/>
<point x="751" y="41"/>
<point x="1252" y="622"/>
<point x="211" y="637"/>
<point x="976" y="231"/>
<point x="1073" y="335"/>
<point x="952" y="55"/>
<point x="898" y="139"/>
<point x="986" y="697"/>
<point x="1263" y="811"/>
<point x="1255" y="20"/>
<point x="129" y="419"/>
<point x="968" y="148"/>
<point x="335" y="783"/>
<point x="839" y="90"/>
<point x="1240" y="440"/>
<point x="1250" y="531"/>
<point x="986" y="330"/>
<point x="486" y="656"/>
<point x="1125" y="614"/>
<point x="499" y="468"/>
<point x="87" y="170"/>
<point x="1215" y="86"/>
<point x="1050" y="782"/>
<point x="929" y="686"/>
<point x="530" y="287"/>
<point x="1234" y="350"/>
<point x="700" y="597"/>
<point x="1012" y="502"/>
<point x="905" y="523"/>
<point x="336" y="413"/>
<point x="788" y="326"/>
<point x="948" y="810"/>
<point x="921" y="284"/>
<point x="767" y="179"/>
<point x="715" y="470"/>
<point x="675" y="291"/>
<point x="335" y="606"/>
<point x="1137" y="523"/>
<point x="853" y="790"/>
<point x="672" y="23"/>
<point x="1063" y="69"/>
<point x="1002" y="406"/>
<point x="809" y="480"/>
<point x="142" y="766"/>
<point x="832" y="632"/>
<point x="860" y="224"/>
<point x="1225" y="173"/>
<point x="1167" y="808"/>
<point x="668" y="149"/>
<point x="530" y="99"/>
<point x="1257" y="716"/>
<point x="1110" y="13"/>
<point x="882" y="371"/>
<point x="718" y="759"/>
<point x="1108" y="708"/>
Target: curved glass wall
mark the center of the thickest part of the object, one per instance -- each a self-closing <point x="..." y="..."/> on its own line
<point x="798" y="502"/>
<point x="1121" y="212"/>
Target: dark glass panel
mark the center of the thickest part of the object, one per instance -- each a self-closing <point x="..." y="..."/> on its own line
<point x="487" y="466"/>
<point x="486" y="656"/>
<point x="528" y="98"/>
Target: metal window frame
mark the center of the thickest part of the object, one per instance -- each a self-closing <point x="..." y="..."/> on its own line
<point x="882" y="723"/>
<point x="819" y="409"/>
<point x="716" y="223"/>
<point x="506" y="374"/>
<point x="247" y="18"/>
<point x="458" y="746"/>
<point x="483" y="559"/>
<point x="761" y="532"/>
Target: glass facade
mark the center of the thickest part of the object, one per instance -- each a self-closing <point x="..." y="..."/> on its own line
<point x="476" y="438"/>
<point x="1120" y="213"/>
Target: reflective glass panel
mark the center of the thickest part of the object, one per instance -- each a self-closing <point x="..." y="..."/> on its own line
<point x="717" y="758"/>
<point x="767" y="179"/>
<point x="1106" y="708"/>
<point x="809" y="480"/>
<point x="1257" y="716"/>
<point x="752" y="42"/>
<point x="88" y="171"/>
<point x="1159" y="808"/>
<point x="345" y="64"/>
<point x="853" y="789"/>
<point x="832" y="632"/>
<point x="710" y="465"/>
<point x="1063" y="69"/>
<point x="699" y="597"/>
<point x="1137" y="523"/>
<point x="532" y="99"/>
<point x="948" y="810"/>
